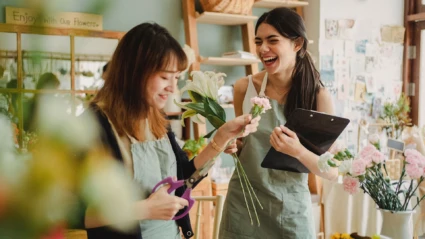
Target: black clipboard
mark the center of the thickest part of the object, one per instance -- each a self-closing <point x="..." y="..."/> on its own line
<point x="316" y="131"/>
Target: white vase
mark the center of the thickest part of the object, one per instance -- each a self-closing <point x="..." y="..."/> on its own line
<point x="397" y="225"/>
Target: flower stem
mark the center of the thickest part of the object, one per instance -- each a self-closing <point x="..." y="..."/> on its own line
<point x="243" y="190"/>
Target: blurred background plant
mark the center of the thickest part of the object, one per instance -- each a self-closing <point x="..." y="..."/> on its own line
<point x="193" y="147"/>
<point x="43" y="189"/>
<point x="397" y="114"/>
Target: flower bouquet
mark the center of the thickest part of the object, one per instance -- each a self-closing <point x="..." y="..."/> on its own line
<point x="203" y="91"/>
<point x="368" y="172"/>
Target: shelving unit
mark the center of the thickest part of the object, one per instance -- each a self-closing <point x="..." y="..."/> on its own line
<point x="279" y="3"/>
<point x="227" y="61"/>
<point x="223" y="18"/>
<point x="246" y="22"/>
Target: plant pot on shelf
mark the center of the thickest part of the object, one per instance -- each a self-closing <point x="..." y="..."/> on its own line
<point x="397" y="224"/>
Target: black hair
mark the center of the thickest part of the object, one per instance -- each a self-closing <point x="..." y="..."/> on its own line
<point x="305" y="78"/>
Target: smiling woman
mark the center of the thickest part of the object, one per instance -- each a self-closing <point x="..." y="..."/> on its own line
<point x="142" y="73"/>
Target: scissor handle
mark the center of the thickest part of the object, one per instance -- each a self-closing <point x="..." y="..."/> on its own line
<point x="190" y="200"/>
<point x="173" y="186"/>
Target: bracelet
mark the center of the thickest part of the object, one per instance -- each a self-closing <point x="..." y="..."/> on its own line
<point x="215" y="146"/>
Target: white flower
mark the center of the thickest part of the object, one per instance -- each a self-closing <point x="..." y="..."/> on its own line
<point x="323" y="162"/>
<point x="373" y="138"/>
<point x="205" y="83"/>
<point x="345" y="167"/>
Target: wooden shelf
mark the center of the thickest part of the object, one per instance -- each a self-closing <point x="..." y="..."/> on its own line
<point x="224" y="18"/>
<point x="223" y="61"/>
<point x="227" y="106"/>
<point x="279" y="3"/>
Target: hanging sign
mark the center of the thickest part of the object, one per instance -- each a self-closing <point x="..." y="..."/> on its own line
<point x="70" y="20"/>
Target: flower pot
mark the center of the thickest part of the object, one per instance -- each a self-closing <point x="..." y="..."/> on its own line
<point x="397" y="225"/>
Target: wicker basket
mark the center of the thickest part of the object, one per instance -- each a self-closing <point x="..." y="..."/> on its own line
<point x="242" y="7"/>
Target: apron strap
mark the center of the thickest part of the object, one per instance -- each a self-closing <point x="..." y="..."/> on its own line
<point x="263" y="85"/>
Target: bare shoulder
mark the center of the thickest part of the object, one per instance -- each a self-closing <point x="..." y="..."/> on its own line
<point x="324" y="101"/>
<point x="241" y="85"/>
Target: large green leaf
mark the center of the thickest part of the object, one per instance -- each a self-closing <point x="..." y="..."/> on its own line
<point x="213" y="108"/>
<point x="198" y="107"/>
<point x="215" y="121"/>
<point x="210" y="133"/>
<point x="195" y="97"/>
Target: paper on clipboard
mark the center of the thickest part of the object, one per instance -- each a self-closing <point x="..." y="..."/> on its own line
<point x="316" y="131"/>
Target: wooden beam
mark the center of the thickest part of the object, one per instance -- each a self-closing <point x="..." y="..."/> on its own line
<point x="191" y="31"/>
<point x="248" y="35"/>
<point x="60" y="32"/>
<point x="418" y="17"/>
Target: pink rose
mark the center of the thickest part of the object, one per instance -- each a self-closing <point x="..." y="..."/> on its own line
<point x="378" y="157"/>
<point x="414" y="171"/>
<point x="358" y="167"/>
<point x="412" y="159"/>
<point x="351" y="185"/>
<point x="368" y="160"/>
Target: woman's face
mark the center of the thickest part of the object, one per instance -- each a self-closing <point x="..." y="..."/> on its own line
<point x="161" y="84"/>
<point x="275" y="51"/>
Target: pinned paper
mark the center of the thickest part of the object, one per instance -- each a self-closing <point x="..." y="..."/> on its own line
<point x="393" y="34"/>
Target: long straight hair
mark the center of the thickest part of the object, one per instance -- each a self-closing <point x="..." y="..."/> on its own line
<point x="143" y="51"/>
<point x="305" y="77"/>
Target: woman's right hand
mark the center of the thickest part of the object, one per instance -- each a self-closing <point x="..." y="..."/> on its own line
<point x="160" y="205"/>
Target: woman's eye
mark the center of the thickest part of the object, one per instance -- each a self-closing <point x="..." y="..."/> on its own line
<point x="257" y="43"/>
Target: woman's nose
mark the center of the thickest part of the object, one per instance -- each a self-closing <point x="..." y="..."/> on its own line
<point x="263" y="48"/>
<point x="171" y="88"/>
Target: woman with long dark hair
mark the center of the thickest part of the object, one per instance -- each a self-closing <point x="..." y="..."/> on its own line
<point x="291" y="81"/>
<point x="142" y="73"/>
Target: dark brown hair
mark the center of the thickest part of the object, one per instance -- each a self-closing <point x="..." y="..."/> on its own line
<point x="143" y="51"/>
<point x="305" y="77"/>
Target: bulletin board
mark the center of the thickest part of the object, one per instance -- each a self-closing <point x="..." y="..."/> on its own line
<point x="362" y="68"/>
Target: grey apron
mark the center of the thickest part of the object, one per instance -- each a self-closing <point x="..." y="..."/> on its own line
<point x="152" y="162"/>
<point x="285" y="196"/>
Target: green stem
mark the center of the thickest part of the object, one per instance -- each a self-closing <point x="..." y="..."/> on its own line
<point x="243" y="190"/>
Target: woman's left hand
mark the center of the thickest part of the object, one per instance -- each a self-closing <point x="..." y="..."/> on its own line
<point x="286" y="141"/>
<point x="231" y="147"/>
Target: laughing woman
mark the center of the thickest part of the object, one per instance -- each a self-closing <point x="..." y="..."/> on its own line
<point x="291" y="81"/>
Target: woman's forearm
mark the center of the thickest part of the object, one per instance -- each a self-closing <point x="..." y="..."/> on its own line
<point x="310" y="160"/>
<point x="209" y="152"/>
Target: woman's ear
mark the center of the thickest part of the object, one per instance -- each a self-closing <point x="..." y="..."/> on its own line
<point x="298" y="44"/>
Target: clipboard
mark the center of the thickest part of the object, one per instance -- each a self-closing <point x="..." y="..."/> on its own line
<point x="316" y="131"/>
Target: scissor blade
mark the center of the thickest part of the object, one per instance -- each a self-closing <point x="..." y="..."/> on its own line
<point x="203" y="171"/>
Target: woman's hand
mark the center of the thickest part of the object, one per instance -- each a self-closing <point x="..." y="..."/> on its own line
<point x="286" y="141"/>
<point x="160" y="205"/>
<point x="240" y="126"/>
<point x="232" y="147"/>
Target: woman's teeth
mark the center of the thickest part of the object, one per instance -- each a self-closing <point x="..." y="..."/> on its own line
<point x="269" y="59"/>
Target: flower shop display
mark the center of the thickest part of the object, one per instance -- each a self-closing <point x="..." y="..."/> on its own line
<point x="203" y="91"/>
<point x="367" y="171"/>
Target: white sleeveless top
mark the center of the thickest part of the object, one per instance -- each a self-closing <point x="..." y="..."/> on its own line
<point x="252" y="92"/>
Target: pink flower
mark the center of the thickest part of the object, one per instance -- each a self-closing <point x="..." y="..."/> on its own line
<point x="377" y="157"/>
<point x="367" y="151"/>
<point x="414" y="171"/>
<point x="414" y="157"/>
<point x="358" y="167"/>
<point x="412" y="152"/>
<point x="261" y="102"/>
<point x="351" y="185"/>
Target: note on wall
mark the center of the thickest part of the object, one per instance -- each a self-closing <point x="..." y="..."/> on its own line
<point x="394" y="34"/>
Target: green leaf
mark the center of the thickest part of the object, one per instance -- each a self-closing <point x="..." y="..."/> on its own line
<point x="198" y="107"/>
<point x="195" y="97"/>
<point x="187" y="114"/>
<point x="213" y="108"/>
<point x="215" y="121"/>
<point x="209" y="134"/>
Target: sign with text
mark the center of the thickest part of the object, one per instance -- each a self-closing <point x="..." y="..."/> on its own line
<point x="70" y="20"/>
